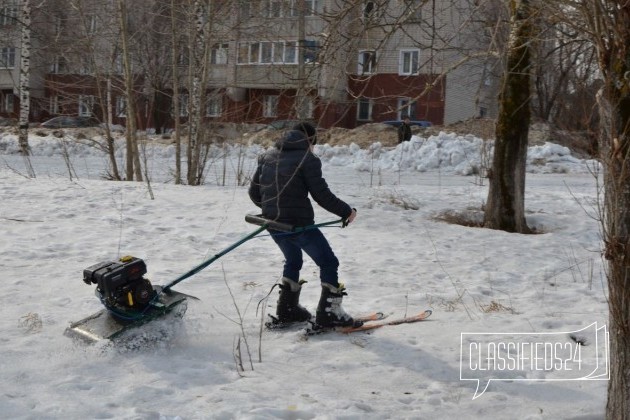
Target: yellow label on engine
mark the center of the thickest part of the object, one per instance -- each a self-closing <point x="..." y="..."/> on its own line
<point x="130" y="298"/>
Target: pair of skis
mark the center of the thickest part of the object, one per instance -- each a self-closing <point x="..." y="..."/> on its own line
<point x="369" y="322"/>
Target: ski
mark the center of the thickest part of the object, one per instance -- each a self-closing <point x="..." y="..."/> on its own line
<point x="275" y="324"/>
<point x="315" y="330"/>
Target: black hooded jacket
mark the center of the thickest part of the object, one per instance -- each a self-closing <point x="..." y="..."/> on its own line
<point x="284" y="178"/>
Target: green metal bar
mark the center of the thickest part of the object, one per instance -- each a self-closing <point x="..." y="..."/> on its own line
<point x="215" y="257"/>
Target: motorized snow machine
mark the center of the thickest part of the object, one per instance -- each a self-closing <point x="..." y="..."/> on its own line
<point x="129" y="298"/>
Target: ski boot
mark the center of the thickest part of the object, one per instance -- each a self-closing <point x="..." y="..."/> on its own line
<point x="330" y="314"/>
<point x="288" y="309"/>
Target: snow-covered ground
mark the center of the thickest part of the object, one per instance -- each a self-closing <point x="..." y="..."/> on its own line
<point x="397" y="257"/>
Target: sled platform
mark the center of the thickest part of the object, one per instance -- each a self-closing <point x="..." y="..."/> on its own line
<point x="107" y="324"/>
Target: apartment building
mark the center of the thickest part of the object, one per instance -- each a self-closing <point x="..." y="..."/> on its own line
<point x="336" y="62"/>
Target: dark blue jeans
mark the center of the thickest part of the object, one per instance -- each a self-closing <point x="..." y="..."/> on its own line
<point x="314" y="243"/>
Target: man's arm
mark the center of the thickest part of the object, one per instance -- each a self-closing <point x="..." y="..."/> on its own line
<point x="254" y="186"/>
<point x="318" y="188"/>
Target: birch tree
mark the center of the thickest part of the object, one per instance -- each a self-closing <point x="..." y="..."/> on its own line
<point x="25" y="98"/>
<point x="198" y="78"/>
<point x="133" y="167"/>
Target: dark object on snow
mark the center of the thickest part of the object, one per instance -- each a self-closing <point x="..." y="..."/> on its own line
<point x="70" y="122"/>
<point x="417" y="123"/>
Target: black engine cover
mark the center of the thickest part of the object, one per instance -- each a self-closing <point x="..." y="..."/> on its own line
<point x="121" y="282"/>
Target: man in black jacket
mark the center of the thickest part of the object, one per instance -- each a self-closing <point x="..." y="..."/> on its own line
<point x="283" y="180"/>
<point x="404" y="130"/>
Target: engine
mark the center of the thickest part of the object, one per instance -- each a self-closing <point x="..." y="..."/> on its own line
<point x="121" y="284"/>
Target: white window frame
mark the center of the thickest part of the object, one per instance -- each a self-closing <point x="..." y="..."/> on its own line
<point x="8" y="103"/>
<point x="121" y="107"/>
<point x="7" y="57"/>
<point x="267" y="52"/>
<point x="87" y="66"/>
<point x="53" y="105"/>
<point x="306" y="107"/>
<point x="406" y="107"/>
<point x="369" y="103"/>
<point x="274" y="8"/>
<point x="414" y="9"/>
<point x="311" y="7"/>
<point x="86" y="103"/>
<point x="270" y="106"/>
<point x="119" y="64"/>
<point x="8" y="13"/>
<point x="368" y="10"/>
<point x="214" y="106"/>
<point x="59" y="65"/>
<point x="406" y="68"/>
<point x="183" y="105"/>
<point x="370" y="55"/>
<point x="92" y="24"/>
<point x="219" y="54"/>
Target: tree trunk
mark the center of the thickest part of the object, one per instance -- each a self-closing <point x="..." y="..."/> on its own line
<point x="111" y="150"/>
<point x="199" y="59"/>
<point x="505" y="207"/>
<point x="616" y="155"/>
<point x="25" y="100"/>
<point x="175" y="101"/>
<point x="133" y="153"/>
<point x="614" y="56"/>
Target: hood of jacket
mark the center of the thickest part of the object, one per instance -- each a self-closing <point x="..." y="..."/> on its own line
<point x="293" y="140"/>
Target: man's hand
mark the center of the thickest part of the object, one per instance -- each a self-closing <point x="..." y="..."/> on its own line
<point x="350" y="218"/>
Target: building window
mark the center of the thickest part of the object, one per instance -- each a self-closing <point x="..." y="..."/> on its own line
<point x="219" y="54"/>
<point x="413" y="10"/>
<point x="311" y="7"/>
<point x="305" y="107"/>
<point x="182" y="58"/>
<point x="364" y="109"/>
<point x="409" y="62"/>
<point x="121" y="107"/>
<point x="290" y="52"/>
<point x="487" y="75"/>
<point x="311" y="51"/>
<point x="58" y="65"/>
<point x="8" y="13"/>
<point x="7" y="57"/>
<point x="270" y="106"/>
<point x="7" y="102"/>
<point x="369" y="9"/>
<point x="87" y="66"/>
<point x="53" y="105"/>
<point x="280" y="52"/>
<point x="406" y="108"/>
<point x="183" y="105"/>
<point x="483" y="112"/>
<point x="245" y="10"/>
<point x="58" y="25"/>
<point x="119" y="64"/>
<point x="91" y="24"/>
<point x="215" y="106"/>
<point x="274" y="8"/>
<point x="367" y="62"/>
<point x="86" y="102"/>
<point x="266" y="52"/>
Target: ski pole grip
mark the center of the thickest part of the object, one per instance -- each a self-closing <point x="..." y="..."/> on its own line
<point x="257" y="219"/>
